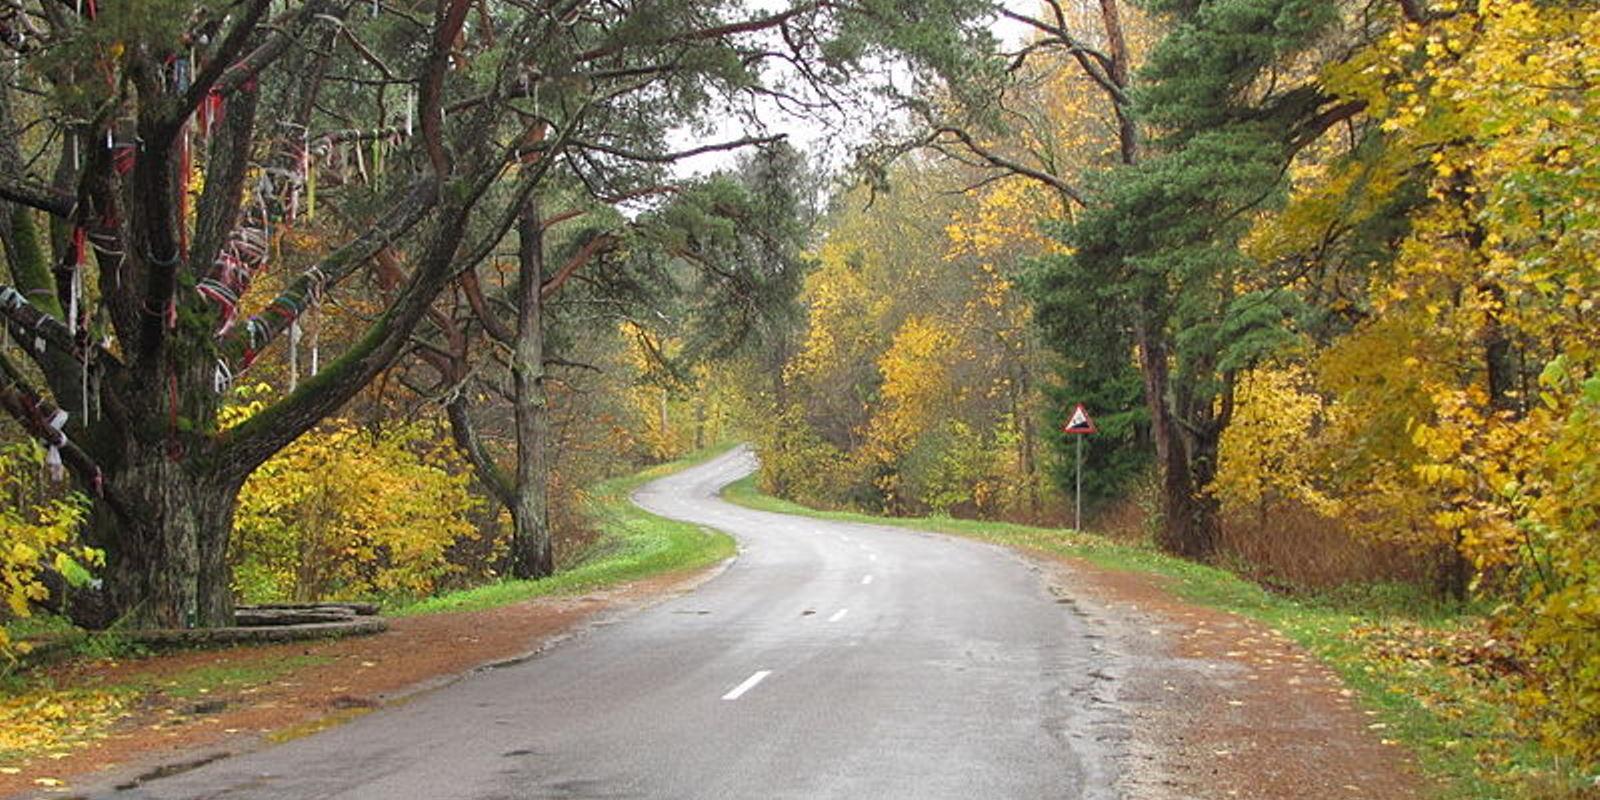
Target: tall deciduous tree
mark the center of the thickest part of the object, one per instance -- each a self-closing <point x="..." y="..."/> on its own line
<point x="720" y="258"/>
<point x="129" y="276"/>
<point x="1065" y="112"/>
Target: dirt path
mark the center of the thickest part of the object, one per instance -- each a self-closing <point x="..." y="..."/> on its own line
<point x="338" y="679"/>
<point x="1224" y="707"/>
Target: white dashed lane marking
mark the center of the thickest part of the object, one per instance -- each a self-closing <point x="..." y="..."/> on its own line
<point x="749" y="683"/>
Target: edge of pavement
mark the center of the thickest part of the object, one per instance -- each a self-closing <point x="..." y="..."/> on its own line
<point x="1218" y="704"/>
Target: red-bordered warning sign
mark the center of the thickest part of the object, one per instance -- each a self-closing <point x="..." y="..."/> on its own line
<point x="1079" y="422"/>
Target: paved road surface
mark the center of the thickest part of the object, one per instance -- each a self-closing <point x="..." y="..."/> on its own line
<point x="829" y="661"/>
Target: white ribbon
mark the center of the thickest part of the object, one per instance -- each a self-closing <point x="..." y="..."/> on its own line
<point x="52" y="455"/>
<point x="223" y="377"/>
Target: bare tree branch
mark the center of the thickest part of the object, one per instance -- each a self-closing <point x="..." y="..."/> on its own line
<point x="1066" y="189"/>
<point x="33" y="194"/>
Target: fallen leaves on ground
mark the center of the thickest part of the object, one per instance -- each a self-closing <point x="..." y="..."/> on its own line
<point x="1466" y="677"/>
<point x="48" y="723"/>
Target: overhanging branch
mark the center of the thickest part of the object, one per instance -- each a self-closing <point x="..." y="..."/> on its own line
<point x="246" y="340"/>
<point x="36" y="195"/>
<point x="996" y="159"/>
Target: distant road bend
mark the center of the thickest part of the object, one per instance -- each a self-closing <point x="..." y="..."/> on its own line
<point x="830" y="660"/>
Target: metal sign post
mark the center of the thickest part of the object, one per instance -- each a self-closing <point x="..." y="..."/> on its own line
<point x="1079" y="423"/>
<point x="1077" y="499"/>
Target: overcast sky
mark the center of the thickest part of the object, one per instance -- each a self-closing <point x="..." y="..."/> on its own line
<point x="829" y="143"/>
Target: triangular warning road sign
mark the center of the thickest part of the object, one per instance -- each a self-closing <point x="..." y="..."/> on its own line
<point x="1079" y="422"/>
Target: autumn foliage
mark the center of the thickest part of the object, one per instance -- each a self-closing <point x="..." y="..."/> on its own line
<point x="347" y="513"/>
<point x="1352" y="249"/>
<point x="1450" y="398"/>
<point x="38" y="532"/>
<point x="914" y="384"/>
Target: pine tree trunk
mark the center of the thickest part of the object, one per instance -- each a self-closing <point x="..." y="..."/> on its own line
<point x="531" y="552"/>
<point x="1190" y="527"/>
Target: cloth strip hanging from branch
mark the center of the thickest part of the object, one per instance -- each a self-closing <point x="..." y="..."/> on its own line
<point x="52" y="453"/>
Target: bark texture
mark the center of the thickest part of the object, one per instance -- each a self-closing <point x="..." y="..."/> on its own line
<point x="531" y="552"/>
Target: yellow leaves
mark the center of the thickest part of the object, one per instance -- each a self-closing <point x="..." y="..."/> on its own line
<point x="914" y="336"/>
<point x="47" y="723"/>
<point x="1265" y="456"/>
<point x="1443" y="476"/>
<point x="914" y="385"/>
<point x="842" y="310"/>
<point x="1005" y="222"/>
<point x="1493" y="110"/>
<point x="346" y="512"/>
<point x="36" y="531"/>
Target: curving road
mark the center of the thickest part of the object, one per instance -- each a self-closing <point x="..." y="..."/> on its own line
<point x="830" y="660"/>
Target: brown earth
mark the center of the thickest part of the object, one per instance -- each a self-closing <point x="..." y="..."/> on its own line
<point x="1219" y="706"/>
<point x="349" y="677"/>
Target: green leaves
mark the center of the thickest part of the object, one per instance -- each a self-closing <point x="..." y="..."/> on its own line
<point x="1196" y="79"/>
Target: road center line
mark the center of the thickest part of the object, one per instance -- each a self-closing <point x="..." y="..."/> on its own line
<point x="749" y="683"/>
<point x="866" y="579"/>
<point x="838" y="615"/>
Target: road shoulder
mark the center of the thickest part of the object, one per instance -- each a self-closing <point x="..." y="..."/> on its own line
<point x="1221" y="706"/>
<point x="254" y="700"/>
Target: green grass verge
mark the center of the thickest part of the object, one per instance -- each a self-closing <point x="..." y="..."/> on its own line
<point x="218" y="678"/>
<point x="633" y="544"/>
<point x="1456" y="722"/>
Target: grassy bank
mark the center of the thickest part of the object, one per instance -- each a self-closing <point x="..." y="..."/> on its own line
<point x="633" y="544"/>
<point x="1432" y="671"/>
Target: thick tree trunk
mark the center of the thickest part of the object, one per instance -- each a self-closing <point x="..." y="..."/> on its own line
<point x="166" y="568"/>
<point x="1192" y="526"/>
<point x="531" y="552"/>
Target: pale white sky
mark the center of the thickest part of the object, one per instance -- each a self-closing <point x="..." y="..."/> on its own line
<point x="828" y="141"/>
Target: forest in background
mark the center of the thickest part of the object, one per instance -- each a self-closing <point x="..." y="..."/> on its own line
<point x="299" y="310"/>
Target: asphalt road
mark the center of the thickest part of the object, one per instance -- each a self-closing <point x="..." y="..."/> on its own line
<point x="829" y="661"/>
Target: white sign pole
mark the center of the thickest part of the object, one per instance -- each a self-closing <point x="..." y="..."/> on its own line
<point x="1079" y="425"/>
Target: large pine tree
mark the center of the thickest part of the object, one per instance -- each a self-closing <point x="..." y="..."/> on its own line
<point x="1157" y="246"/>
